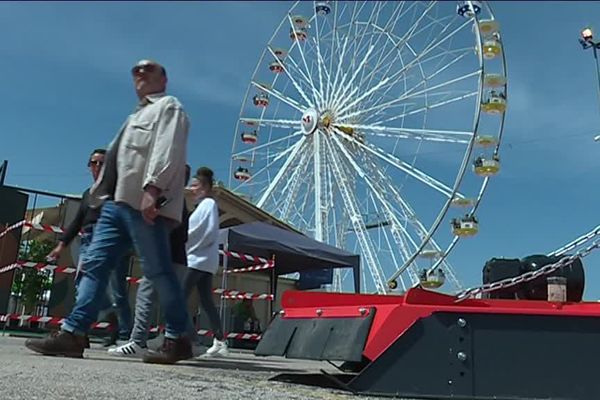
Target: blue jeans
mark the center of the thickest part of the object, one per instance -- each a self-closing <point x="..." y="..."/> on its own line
<point x="118" y="228"/>
<point x="117" y="294"/>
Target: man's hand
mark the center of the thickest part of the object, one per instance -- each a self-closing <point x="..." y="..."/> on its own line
<point x="55" y="253"/>
<point x="148" y="206"/>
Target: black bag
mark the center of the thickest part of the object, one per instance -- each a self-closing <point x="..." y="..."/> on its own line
<point x="538" y="288"/>
<point x="498" y="269"/>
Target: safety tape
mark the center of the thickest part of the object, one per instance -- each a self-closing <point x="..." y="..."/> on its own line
<point x="12" y="227"/>
<point x="226" y="293"/>
<point x="251" y="269"/>
<point x="247" y="257"/>
<point x="105" y="325"/>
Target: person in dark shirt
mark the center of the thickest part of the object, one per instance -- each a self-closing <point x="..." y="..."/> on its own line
<point x="84" y="222"/>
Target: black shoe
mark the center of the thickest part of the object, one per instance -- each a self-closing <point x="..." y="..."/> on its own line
<point x="171" y="351"/>
<point x="58" y="343"/>
<point x="111" y="340"/>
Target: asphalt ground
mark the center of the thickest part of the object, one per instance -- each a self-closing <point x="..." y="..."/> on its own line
<point x="26" y="375"/>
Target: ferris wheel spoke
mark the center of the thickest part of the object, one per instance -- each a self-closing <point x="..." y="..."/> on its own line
<point x="291" y="78"/>
<point x="271" y="143"/>
<point x="401" y="165"/>
<point x="357" y="220"/>
<point x="432" y="106"/>
<point x="442" y="22"/>
<point x="401" y="245"/>
<point x="438" y="135"/>
<point x="344" y="85"/>
<point x="411" y="217"/>
<point x="274" y="159"/>
<point x="383" y="53"/>
<point x="358" y="44"/>
<point x="318" y="51"/>
<point x="397" y="228"/>
<point x="391" y="79"/>
<point x="335" y="85"/>
<point x="400" y="41"/>
<point x="307" y="69"/>
<point x="282" y="171"/>
<point x="275" y="93"/>
<point x="274" y="123"/>
<point x="402" y="79"/>
<point x="292" y="187"/>
<point x="294" y="67"/>
<point x="409" y="95"/>
<point x="461" y="54"/>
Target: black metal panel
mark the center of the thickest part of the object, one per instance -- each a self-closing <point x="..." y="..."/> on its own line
<point x="505" y="357"/>
<point x="333" y="339"/>
<point x="13" y="204"/>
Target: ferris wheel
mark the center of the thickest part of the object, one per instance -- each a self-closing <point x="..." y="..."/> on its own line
<point x="375" y="127"/>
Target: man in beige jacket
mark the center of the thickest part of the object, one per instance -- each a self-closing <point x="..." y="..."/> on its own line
<point x="141" y="196"/>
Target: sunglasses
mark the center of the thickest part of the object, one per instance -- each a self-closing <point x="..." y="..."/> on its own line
<point x="138" y="69"/>
<point x="96" y="163"/>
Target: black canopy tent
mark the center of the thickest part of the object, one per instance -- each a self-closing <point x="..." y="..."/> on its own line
<point x="293" y="252"/>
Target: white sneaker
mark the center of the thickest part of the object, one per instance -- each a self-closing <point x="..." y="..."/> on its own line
<point x="218" y="349"/>
<point x="129" y="349"/>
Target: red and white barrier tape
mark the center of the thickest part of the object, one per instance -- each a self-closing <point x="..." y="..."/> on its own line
<point x="39" y="266"/>
<point x="12" y="227"/>
<point x="9" y="267"/>
<point x="250" y="269"/>
<point x="247" y="257"/>
<point x="34" y="225"/>
<point x="237" y="294"/>
<point x="43" y="227"/>
<point x="104" y="325"/>
<point x="230" y="335"/>
<point x="70" y="269"/>
<point x="226" y="293"/>
<point x="47" y="320"/>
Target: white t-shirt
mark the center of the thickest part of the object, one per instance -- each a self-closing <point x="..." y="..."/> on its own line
<point x="202" y="245"/>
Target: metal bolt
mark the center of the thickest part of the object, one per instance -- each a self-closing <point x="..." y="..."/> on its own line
<point x="362" y="311"/>
<point x="462" y="356"/>
<point x="462" y="322"/>
<point x="319" y="312"/>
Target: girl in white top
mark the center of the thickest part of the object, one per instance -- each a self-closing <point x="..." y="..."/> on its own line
<point x="203" y="254"/>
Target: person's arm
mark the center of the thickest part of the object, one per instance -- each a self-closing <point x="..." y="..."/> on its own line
<point x="168" y="149"/>
<point x="73" y="228"/>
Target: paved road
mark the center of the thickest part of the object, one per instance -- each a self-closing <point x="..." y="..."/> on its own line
<point x="25" y="375"/>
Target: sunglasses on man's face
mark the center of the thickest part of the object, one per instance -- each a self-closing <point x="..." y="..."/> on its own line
<point x="138" y="69"/>
<point x="96" y="163"/>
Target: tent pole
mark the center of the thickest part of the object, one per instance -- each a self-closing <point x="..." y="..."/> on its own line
<point x="224" y="322"/>
<point x="274" y="279"/>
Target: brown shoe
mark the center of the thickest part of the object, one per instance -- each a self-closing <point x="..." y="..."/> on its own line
<point x="171" y="351"/>
<point x="58" y="343"/>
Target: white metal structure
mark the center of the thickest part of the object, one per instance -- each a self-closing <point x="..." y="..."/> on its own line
<point x="365" y="116"/>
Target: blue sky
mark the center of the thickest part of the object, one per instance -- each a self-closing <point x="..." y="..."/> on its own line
<point x="65" y="69"/>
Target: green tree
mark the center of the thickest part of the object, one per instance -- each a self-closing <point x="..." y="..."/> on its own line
<point x="29" y="283"/>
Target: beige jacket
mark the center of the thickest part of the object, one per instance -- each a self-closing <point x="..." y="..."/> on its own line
<point x="150" y="149"/>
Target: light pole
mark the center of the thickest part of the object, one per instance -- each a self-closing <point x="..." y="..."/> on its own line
<point x="587" y="42"/>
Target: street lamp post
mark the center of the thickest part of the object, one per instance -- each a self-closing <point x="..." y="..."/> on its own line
<point x="587" y="42"/>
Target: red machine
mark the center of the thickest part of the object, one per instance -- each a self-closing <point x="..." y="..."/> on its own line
<point x="428" y="345"/>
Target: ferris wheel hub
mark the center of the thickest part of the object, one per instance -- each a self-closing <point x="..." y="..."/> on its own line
<point x="310" y="120"/>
